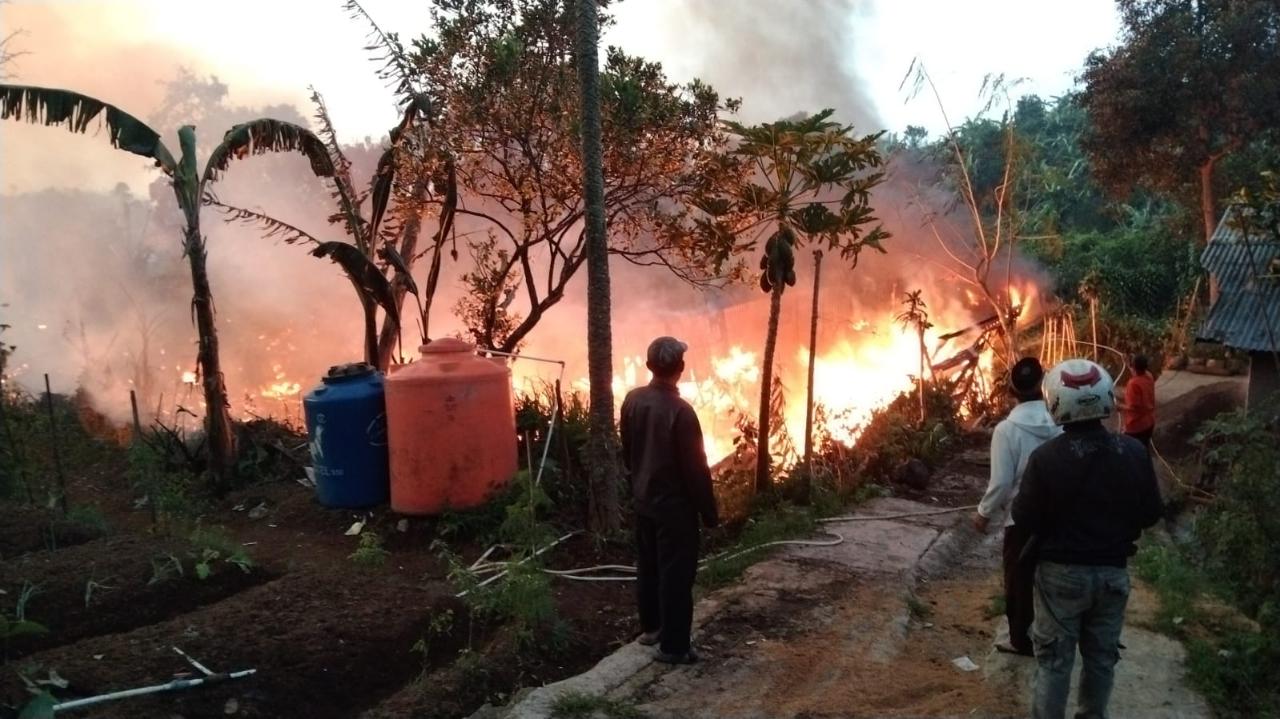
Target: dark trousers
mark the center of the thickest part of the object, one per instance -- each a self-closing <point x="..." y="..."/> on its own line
<point x="666" y="563"/>
<point x="1144" y="437"/>
<point x="1019" y="587"/>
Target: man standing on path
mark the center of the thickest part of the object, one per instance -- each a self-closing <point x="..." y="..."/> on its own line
<point x="1086" y="496"/>
<point x="1139" y="406"/>
<point x="1026" y="428"/>
<point x="664" y="456"/>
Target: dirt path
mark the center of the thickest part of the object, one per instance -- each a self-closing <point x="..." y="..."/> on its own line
<point x="868" y="628"/>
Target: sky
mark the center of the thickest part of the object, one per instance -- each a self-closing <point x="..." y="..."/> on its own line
<point x="270" y="51"/>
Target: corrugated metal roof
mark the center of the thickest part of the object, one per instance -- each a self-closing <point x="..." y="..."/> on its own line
<point x="1249" y="289"/>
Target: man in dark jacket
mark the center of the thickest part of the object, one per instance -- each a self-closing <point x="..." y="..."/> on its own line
<point x="1086" y="496"/>
<point x="663" y="452"/>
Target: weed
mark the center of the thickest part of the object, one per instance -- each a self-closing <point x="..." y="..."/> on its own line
<point x="576" y="705"/>
<point x="209" y="546"/>
<point x="1233" y="667"/>
<point x="440" y="625"/>
<point x="522" y="598"/>
<point x="996" y="607"/>
<point x="773" y="523"/>
<point x="90" y="518"/>
<point x="164" y="567"/>
<point x="93" y="586"/>
<point x="370" y="553"/>
<point x="919" y="610"/>
<point x="28" y="591"/>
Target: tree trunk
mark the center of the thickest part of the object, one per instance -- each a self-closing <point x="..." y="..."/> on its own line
<point x="602" y="453"/>
<point x="920" y="378"/>
<point x="764" y="482"/>
<point x="392" y="333"/>
<point x="813" y="359"/>
<point x="370" y="308"/>
<point x="1209" y="212"/>
<point x="217" y="419"/>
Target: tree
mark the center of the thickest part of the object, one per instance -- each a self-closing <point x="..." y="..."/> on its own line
<point x="915" y="316"/>
<point x="78" y="113"/>
<point x="602" y="444"/>
<point x="806" y="181"/>
<point x="506" y="91"/>
<point x="1194" y="82"/>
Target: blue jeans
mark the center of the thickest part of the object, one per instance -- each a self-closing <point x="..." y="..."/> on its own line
<point x="1082" y="605"/>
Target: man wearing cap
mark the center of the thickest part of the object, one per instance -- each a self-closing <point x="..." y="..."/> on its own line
<point x="663" y="453"/>
<point x="1027" y="427"/>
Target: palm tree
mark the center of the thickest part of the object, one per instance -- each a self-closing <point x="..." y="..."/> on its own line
<point x="602" y="443"/>
<point x="46" y="106"/>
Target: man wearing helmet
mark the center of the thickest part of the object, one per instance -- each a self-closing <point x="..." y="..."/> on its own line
<point x="1086" y="495"/>
<point x="1014" y="439"/>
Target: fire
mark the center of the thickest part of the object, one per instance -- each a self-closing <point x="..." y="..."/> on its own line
<point x="188" y="377"/>
<point x="871" y="360"/>
<point x="282" y="388"/>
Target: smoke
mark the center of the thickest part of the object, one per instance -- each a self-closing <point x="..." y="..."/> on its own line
<point x="98" y="293"/>
<point x="780" y="58"/>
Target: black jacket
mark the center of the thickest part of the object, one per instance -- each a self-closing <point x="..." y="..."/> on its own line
<point x="663" y="452"/>
<point x="1087" y="495"/>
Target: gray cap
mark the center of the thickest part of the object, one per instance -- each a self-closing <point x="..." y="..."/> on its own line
<point x="665" y="353"/>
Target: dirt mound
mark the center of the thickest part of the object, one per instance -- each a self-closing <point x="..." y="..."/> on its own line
<point x="1180" y="419"/>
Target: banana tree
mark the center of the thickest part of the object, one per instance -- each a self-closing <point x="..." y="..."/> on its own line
<point x="368" y="237"/>
<point x="78" y="113"/>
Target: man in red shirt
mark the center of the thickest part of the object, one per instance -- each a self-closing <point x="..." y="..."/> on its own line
<point x="1139" y="405"/>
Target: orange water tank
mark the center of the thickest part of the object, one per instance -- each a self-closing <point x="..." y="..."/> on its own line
<point x="451" y="429"/>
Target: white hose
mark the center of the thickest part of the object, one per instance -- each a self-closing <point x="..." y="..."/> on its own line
<point x="585" y="574"/>
<point x="908" y="515"/>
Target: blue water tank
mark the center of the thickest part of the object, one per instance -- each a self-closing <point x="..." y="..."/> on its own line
<point x="347" y="428"/>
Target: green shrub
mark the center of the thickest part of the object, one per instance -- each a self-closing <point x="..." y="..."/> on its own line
<point x="1240" y="530"/>
<point x="211" y="546"/>
<point x="370" y="553"/>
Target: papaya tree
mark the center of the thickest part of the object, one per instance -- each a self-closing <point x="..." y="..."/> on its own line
<point x="809" y="183"/>
<point x="79" y="113"/>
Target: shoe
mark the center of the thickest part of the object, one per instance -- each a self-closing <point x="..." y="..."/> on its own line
<point x="649" y="639"/>
<point x="689" y="657"/>
<point x="1006" y="648"/>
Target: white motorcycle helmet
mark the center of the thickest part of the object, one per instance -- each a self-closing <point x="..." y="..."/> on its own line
<point x="1078" y="390"/>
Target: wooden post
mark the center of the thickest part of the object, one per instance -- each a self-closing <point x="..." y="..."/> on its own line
<point x="137" y="422"/>
<point x="1093" y="320"/>
<point x="813" y="358"/>
<point x="57" y="456"/>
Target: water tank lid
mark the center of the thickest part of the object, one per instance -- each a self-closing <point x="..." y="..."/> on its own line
<point x="350" y="370"/>
<point x="446" y="345"/>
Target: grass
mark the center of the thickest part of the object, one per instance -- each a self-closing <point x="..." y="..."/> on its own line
<point x="1233" y="666"/>
<point x="920" y="611"/>
<point x="995" y="607"/>
<point x="780" y="522"/>
<point x="576" y="705"/>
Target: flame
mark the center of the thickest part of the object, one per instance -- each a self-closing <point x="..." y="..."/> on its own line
<point x="282" y="388"/>
<point x="188" y="377"/>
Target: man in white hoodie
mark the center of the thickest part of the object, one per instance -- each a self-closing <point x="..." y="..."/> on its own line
<point x="1028" y="426"/>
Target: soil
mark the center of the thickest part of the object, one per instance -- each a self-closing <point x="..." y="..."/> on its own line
<point x="328" y="637"/>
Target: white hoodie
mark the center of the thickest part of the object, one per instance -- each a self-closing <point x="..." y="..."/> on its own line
<point x="1015" y="438"/>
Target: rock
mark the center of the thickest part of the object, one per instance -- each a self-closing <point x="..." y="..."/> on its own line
<point x="914" y="474"/>
<point x="259" y="511"/>
<point x="231" y="707"/>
